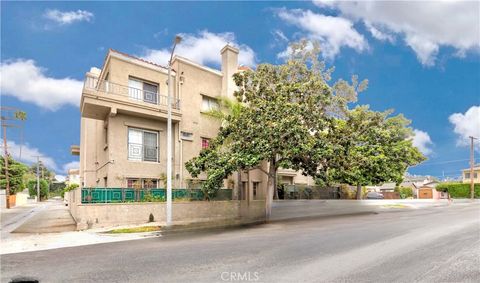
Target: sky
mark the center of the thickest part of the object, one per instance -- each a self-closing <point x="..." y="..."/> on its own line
<point x="422" y="59"/>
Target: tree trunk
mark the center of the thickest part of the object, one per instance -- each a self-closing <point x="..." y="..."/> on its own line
<point x="359" y="191"/>
<point x="270" y="189"/>
<point x="275" y="187"/>
<point x="238" y="188"/>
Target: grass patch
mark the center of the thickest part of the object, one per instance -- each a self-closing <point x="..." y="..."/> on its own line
<point x="395" y="206"/>
<point x="134" y="230"/>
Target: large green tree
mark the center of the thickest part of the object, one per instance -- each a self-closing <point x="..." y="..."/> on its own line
<point x="287" y="115"/>
<point x="16" y="171"/>
<point x="369" y="148"/>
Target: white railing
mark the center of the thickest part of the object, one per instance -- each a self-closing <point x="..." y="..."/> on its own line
<point x="130" y="92"/>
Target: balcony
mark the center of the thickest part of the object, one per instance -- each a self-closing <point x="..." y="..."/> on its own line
<point x="101" y="98"/>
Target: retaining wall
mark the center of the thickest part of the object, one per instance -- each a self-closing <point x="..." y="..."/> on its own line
<point x="116" y="214"/>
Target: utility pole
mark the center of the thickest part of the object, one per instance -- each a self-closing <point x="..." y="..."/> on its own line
<point x="472" y="164"/>
<point x="169" y="134"/>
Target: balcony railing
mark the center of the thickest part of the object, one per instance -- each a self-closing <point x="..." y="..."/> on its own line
<point x="131" y="93"/>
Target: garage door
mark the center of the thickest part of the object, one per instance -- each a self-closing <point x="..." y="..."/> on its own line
<point x="425" y="193"/>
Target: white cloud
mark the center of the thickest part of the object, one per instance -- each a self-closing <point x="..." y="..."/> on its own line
<point x="28" y="82"/>
<point x="203" y="48"/>
<point x="60" y="178"/>
<point x="467" y="124"/>
<point x="425" y="26"/>
<point x="66" y="18"/>
<point x="379" y="34"/>
<point x="333" y="33"/>
<point x="279" y="35"/>
<point x="71" y="165"/>
<point x="422" y="141"/>
<point x="29" y="156"/>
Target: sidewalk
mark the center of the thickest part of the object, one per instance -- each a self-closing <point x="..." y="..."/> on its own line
<point x="12" y="218"/>
<point x="55" y="218"/>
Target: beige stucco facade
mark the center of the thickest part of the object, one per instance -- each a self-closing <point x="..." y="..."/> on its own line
<point x="111" y="108"/>
<point x="466" y="176"/>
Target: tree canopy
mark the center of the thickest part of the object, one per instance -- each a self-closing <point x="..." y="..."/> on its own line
<point x="16" y="170"/>
<point x="293" y="118"/>
<point x="370" y="147"/>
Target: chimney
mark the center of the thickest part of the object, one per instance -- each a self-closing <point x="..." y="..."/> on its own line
<point x="229" y="67"/>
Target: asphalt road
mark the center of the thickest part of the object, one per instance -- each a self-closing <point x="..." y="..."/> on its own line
<point x="440" y="244"/>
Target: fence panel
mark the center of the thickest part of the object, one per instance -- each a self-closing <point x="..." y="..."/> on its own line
<point x="119" y="195"/>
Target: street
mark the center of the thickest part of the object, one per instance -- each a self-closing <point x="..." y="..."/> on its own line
<point x="436" y="244"/>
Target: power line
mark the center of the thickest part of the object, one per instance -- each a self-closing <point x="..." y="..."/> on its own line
<point x="442" y="162"/>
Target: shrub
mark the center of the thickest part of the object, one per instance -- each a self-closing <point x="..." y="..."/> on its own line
<point x="68" y="188"/>
<point x="151" y="198"/>
<point x="346" y="192"/>
<point x="405" y="192"/>
<point x="459" y="190"/>
<point x="32" y="188"/>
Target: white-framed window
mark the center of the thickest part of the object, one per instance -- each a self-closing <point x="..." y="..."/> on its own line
<point x="142" y="145"/>
<point x="467" y="175"/>
<point x="141" y="90"/>
<point x="209" y="103"/>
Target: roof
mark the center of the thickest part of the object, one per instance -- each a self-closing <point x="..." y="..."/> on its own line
<point x="244" y="68"/>
<point x="476" y="167"/>
<point x="136" y="58"/>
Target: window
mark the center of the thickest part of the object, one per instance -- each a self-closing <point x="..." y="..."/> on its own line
<point x="133" y="183"/>
<point x="140" y="90"/>
<point x="256" y="186"/>
<point x="205" y="143"/>
<point x="186" y="136"/>
<point x="209" y="103"/>
<point x="149" y="183"/>
<point x="467" y="175"/>
<point x="474" y="175"/>
<point x="138" y="183"/>
<point x="142" y="145"/>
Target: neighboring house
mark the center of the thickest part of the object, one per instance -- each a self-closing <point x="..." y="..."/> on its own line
<point x="73" y="177"/>
<point x="124" y="121"/>
<point x="466" y="178"/>
<point x="426" y="190"/>
<point x="385" y="187"/>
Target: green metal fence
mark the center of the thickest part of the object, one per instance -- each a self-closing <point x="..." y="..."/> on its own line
<point x="119" y="195"/>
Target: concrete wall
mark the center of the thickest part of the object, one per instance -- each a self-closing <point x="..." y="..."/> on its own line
<point x="3" y="199"/>
<point x="106" y="215"/>
<point x="21" y="198"/>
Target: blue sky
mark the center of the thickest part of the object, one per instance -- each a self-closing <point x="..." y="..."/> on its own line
<point x="417" y="62"/>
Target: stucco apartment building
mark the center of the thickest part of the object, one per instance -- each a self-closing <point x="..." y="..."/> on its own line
<point x="124" y="122"/>
<point x="466" y="178"/>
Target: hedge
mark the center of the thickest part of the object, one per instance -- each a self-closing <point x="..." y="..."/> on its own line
<point x="459" y="190"/>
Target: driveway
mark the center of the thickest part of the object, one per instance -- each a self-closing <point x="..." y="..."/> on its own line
<point x="48" y="216"/>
